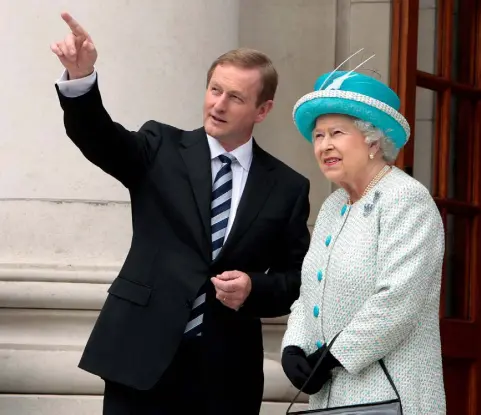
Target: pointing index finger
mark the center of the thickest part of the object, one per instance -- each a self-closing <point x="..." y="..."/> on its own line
<point x="75" y="27"/>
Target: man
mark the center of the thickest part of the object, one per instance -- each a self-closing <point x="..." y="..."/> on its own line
<point x="219" y="235"/>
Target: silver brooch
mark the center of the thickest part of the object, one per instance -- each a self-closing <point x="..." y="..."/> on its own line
<point x="369" y="207"/>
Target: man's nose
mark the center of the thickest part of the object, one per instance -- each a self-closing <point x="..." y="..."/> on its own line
<point x="221" y="103"/>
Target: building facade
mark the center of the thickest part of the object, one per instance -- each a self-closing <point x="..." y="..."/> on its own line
<point x="65" y="225"/>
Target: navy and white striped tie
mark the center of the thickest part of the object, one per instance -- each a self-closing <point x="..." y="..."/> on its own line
<point x="219" y="213"/>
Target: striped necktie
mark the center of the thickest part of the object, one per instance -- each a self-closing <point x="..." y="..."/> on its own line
<point x="219" y="213"/>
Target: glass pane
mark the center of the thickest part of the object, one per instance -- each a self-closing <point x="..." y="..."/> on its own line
<point x="462" y="122"/>
<point x="464" y="13"/>
<point x="457" y="268"/>
<point x="427" y="34"/>
<point x="424" y="136"/>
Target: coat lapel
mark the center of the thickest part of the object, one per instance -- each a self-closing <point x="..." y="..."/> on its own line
<point x="260" y="182"/>
<point x="195" y="152"/>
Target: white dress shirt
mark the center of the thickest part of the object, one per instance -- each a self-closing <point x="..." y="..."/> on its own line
<point x="243" y="154"/>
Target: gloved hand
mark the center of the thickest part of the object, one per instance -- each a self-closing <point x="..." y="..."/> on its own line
<point x="329" y="362"/>
<point x="295" y="365"/>
<point x="298" y="367"/>
<point x="323" y="372"/>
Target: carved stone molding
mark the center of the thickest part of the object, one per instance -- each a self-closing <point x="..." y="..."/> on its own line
<point x="46" y="315"/>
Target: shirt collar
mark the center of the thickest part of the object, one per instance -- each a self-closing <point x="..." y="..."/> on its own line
<point x="243" y="153"/>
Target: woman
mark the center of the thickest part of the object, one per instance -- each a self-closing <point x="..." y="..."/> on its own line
<point x="373" y="270"/>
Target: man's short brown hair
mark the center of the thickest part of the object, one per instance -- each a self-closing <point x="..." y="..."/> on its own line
<point x="251" y="59"/>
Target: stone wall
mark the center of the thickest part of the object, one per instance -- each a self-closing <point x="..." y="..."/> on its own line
<point x="65" y="225"/>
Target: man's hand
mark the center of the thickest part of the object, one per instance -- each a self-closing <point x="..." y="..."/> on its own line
<point x="232" y="288"/>
<point x="76" y="52"/>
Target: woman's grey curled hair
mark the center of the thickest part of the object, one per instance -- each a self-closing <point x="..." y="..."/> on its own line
<point x="374" y="135"/>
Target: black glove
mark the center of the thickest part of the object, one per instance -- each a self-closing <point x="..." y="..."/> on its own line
<point x="329" y="362"/>
<point x="298" y="367"/>
<point x="295" y="365"/>
<point x="323" y="372"/>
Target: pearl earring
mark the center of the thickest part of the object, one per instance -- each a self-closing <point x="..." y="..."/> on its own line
<point x="371" y="156"/>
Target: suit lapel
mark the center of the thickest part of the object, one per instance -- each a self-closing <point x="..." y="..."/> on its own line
<point x="195" y="152"/>
<point x="260" y="182"/>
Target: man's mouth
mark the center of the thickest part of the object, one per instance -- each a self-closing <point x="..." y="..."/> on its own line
<point x="217" y="119"/>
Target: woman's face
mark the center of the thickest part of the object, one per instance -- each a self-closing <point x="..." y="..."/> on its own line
<point x="340" y="148"/>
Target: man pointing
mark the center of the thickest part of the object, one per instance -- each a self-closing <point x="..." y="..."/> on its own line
<point x="219" y="235"/>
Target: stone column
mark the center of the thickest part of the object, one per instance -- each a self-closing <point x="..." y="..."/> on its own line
<point x="64" y="224"/>
<point x="299" y="36"/>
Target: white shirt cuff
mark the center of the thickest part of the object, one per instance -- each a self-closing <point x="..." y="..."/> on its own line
<point x="74" y="88"/>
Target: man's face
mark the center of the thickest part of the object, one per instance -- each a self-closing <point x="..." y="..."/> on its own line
<point x="230" y="104"/>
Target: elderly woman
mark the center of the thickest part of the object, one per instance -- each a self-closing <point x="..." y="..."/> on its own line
<point x="373" y="270"/>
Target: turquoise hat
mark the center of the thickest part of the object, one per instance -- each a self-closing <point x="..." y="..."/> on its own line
<point x="357" y="95"/>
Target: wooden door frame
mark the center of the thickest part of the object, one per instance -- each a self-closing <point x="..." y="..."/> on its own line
<point x="404" y="79"/>
<point x="404" y="49"/>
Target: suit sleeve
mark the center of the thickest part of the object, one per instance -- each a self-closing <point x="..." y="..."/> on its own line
<point x="123" y="154"/>
<point x="272" y="295"/>
<point x="409" y="262"/>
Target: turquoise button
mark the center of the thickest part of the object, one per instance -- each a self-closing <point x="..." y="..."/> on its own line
<point x="319" y="275"/>
<point x="343" y="210"/>
<point x="316" y="311"/>
<point x="318" y="344"/>
<point x="328" y="240"/>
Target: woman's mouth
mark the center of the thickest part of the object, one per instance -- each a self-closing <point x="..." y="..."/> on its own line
<point x="331" y="161"/>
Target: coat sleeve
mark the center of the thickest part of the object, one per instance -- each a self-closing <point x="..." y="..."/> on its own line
<point x="273" y="296"/>
<point x="125" y="155"/>
<point x="296" y="333"/>
<point x="409" y="264"/>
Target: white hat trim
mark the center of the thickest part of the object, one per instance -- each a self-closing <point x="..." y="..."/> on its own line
<point x="354" y="96"/>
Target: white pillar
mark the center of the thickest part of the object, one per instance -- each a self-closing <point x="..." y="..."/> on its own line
<point x="299" y="36"/>
<point x="64" y="224"/>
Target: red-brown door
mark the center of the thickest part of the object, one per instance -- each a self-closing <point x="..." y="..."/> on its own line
<point x="445" y="150"/>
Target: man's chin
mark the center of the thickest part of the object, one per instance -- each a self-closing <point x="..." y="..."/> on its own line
<point x="214" y="132"/>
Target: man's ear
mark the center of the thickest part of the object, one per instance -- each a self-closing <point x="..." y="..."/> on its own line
<point x="263" y="110"/>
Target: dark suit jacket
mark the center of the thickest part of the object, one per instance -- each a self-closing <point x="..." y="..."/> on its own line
<point x="168" y="174"/>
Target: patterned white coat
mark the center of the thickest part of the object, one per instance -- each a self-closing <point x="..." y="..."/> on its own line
<point x="373" y="273"/>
